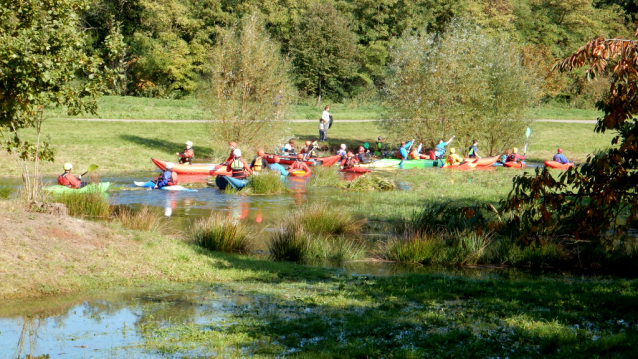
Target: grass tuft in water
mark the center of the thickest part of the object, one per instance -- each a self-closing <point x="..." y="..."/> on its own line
<point x="221" y="234"/>
<point x="144" y="219"/>
<point x="411" y="248"/>
<point x="87" y="204"/>
<point x="324" y="176"/>
<point x="369" y="182"/>
<point x="267" y="182"/>
<point x="322" y="219"/>
<point x="6" y="191"/>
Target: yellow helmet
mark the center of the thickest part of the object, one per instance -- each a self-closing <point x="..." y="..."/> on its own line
<point x="452" y="150"/>
<point x="514" y="150"/>
<point x="68" y="166"/>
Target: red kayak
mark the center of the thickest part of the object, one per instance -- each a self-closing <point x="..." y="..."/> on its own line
<point x="356" y="170"/>
<point x="312" y="161"/>
<point x="464" y="166"/>
<point x="483" y="162"/>
<point x="194" y="169"/>
<point x="558" y="165"/>
<point x="514" y="164"/>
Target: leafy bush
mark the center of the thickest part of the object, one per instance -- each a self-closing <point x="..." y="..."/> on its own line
<point x="267" y="182"/>
<point x="222" y="234"/>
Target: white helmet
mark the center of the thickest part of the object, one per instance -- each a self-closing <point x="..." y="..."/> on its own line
<point x="343" y="146"/>
<point x="288" y="147"/>
<point x="237" y="152"/>
<point x="68" y="166"/>
<point x="169" y="165"/>
<point x="189" y="144"/>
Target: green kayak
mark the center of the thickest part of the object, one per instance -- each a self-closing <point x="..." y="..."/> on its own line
<point x="91" y="187"/>
<point x="394" y="162"/>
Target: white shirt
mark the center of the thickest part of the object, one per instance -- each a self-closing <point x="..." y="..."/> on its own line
<point x="326" y="116"/>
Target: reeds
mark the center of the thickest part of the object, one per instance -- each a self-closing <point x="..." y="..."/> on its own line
<point x="324" y="176"/>
<point x="91" y="204"/>
<point x="411" y="248"/>
<point x="146" y="219"/>
<point x="221" y="234"/>
<point x="325" y="220"/>
<point x="266" y="182"/>
<point x="6" y="191"/>
<point x="369" y="182"/>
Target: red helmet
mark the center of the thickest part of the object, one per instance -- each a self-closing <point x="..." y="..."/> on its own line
<point x="308" y="143"/>
<point x="232" y="144"/>
<point x="300" y="156"/>
<point x="560" y="150"/>
<point x="350" y="154"/>
<point x="260" y="152"/>
<point x="276" y="159"/>
<point x="361" y="149"/>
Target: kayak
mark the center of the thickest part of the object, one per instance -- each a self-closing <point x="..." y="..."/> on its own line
<point x="485" y="161"/>
<point x="91" y="187"/>
<point x="196" y="169"/>
<point x="558" y="165"/>
<point x="463" y="166"/>
<point x="514" y="164"/>
<point x="356" y="169"/>
<point x="394" y="162"/>
<point x="300" y="173"/>
<point x="151" y="184"/>
<point x="222" y="182"/>
<point x="311" y="161"/>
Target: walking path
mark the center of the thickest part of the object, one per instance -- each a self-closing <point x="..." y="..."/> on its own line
<point x="204" y="121"/>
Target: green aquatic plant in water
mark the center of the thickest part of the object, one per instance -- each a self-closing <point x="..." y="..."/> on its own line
<point x="411" y="248"/>
<point x="146" y="219"/>
<point x="322" y="219"/>
<point x="222" y="234"/>
<point x="266" y="182"/>
<point x="91" y="204"/>
<point x="6" y="191"/>
<point x="369" y="182"/>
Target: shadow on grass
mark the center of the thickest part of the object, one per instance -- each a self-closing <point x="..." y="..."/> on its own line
<point x="166" y="146"/>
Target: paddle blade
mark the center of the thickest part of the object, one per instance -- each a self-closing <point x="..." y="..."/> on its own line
<point x="92" y="167"/>
<point x="366" y="145"/>
<point x="529" y="131"/>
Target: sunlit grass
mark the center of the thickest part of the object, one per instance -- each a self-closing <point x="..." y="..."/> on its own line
<point x="266" y="182"/>
<point x="146" y="218"/>
<point x="85" y="204"/>
<point x="221" y="234"/>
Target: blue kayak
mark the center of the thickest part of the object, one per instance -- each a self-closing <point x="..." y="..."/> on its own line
<point x="223" y="181"/>
<point x="151" y="184"/>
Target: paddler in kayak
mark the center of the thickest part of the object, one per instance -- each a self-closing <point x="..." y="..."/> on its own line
<point x="309" y="149"/>
<point x="259" y="162"/>
<point x="238" y="167"/>
<point x="403" y="152"/>
<point x="439" y="152"/>
<point x="504" y="156"/>
<point x="361" y="154"/>
<point x="277" y="167"/>
<point x="231" y="156"/>
<point x="167" y="178"/>
<point x="342" y="151"/>
<point x="453" y="159"/>
<point x="69" y="180"/>
<point x="349" y="162"/>
<point x="381" y="151"/>
<point x="514" y="156"/>
<point x="473" y="150"/>
<point x="299" y="164"/>
<point x="560" y="157"/>
<point x="186" y="156"/>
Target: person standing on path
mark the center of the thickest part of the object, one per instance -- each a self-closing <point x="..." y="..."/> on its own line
<point x="325" y="120"/>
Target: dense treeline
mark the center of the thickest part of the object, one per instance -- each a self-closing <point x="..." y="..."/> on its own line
<point x="338" y="48"/>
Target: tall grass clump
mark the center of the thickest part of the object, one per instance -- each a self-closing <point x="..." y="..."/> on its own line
<point x="6" y="191"/>
<point x="411" y="248"/>
<point x="324" y="176"/>
<point x="369" y="182"/>
<point x="267" y="182"/>
<point x="322" y="219"/>
<point x="468" y="247"/>
<point x="144" y="219"/>
<point x="221" y="234"/>
<point x="87" y="204"/>
<point x="447" y="217"/>
<point x="292" y="242"/>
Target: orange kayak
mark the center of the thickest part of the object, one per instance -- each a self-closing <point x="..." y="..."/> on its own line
<point x="514" y="164"/>
<point x="194" y="169"/>
<point x="558" y="165"/>
<point x="483" y="162"/>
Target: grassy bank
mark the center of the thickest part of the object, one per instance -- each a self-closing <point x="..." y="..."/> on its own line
<point x="118" y="107"/>
<point x="304" y="311"/>
<point x="121" y="147"/>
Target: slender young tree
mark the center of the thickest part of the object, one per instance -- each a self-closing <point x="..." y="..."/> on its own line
<point x="248" y="90"/>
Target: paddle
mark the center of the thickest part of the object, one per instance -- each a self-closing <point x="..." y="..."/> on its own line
<point x="91" y="168"/>
<point x="527" y="133"/>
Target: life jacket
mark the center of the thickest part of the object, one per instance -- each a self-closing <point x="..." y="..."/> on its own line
<point x="63" y="181"/>
<point x="237" y="164"/>
<point x="471" y="152"/>
<point x="257" y="164"/>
